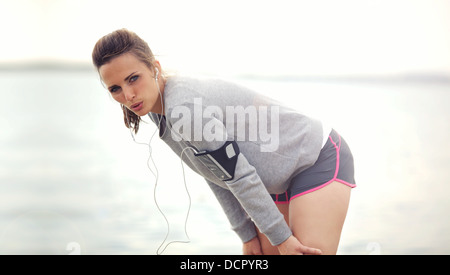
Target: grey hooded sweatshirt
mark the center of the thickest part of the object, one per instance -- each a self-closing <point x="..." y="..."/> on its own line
<point x="275" y="142"/>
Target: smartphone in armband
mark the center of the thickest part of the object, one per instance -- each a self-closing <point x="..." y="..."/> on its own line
<point x="221" y="162"/>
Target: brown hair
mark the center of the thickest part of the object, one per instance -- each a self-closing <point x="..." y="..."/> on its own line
<point x="115" y="44"/>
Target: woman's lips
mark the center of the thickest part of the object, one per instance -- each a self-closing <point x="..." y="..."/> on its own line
<point x="137" y="107"/>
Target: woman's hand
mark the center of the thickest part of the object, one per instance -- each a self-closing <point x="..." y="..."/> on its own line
<point x="252" y="247"/>
<point x="292" y="246"/>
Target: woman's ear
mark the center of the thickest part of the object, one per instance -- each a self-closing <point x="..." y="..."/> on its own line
<point x="157" y="66"/>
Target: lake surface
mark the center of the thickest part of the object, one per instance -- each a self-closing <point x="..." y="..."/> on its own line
<point x="73" y="181"/>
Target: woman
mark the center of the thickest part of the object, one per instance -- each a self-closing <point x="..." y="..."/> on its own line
<point x="282" y="178"/>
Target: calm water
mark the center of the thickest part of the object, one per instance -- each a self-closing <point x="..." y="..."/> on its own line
<point x="73" y="181"/>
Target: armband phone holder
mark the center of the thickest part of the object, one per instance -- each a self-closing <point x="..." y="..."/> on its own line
<point x="221" y="162"/>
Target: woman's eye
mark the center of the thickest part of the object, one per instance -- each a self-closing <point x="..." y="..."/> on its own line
<point x="134" y="78"/>
<point x="114" y="89"/>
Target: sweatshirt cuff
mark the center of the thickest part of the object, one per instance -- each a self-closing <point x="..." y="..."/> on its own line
<point x="280" y="234"/>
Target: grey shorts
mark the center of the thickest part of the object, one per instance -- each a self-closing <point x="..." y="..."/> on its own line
<point x="335" y="163"/>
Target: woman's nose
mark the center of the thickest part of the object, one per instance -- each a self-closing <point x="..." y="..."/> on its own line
<point x="129" y="94"/>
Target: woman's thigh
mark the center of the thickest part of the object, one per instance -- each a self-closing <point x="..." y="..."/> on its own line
<point x="317" y="218"/>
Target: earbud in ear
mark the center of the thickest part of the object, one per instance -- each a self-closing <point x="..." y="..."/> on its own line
<point x="157" y="73"/>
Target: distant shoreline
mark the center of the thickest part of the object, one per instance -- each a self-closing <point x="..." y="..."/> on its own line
<point x="428" y="78"/>
<point x="50" y="66"/>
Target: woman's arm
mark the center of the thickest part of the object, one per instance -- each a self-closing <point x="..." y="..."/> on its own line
<point x="245" y="193"/>
<point x="238" y="218"/>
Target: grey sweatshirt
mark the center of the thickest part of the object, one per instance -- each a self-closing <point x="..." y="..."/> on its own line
<point x="276" y="143"/>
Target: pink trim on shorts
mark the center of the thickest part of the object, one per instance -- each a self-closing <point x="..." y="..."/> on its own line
<point x="281" y="202"/>
<point x="338" y="148"/>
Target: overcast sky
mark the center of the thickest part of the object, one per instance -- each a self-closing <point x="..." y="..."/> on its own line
<point x="241" y="36"/>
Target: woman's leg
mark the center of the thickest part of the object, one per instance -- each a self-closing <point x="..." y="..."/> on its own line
<point x="266" y="246"/>
<point x="316" y="219"/>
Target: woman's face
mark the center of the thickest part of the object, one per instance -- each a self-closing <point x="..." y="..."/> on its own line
<point x="133" y="84"/>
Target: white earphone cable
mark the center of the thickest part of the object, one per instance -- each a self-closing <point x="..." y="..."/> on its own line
<point x="156" y="174"/>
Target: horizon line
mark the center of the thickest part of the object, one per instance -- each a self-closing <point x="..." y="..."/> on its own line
<point x="68" y="66"/>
